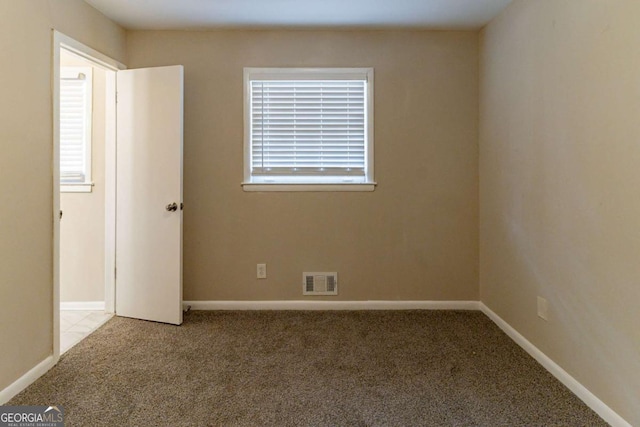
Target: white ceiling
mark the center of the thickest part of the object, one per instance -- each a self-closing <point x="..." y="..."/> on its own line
<point x="205" y="14"/>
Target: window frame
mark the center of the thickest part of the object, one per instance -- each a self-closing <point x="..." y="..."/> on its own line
<point x="85" y="186"/>
<point x="313" y="182"/>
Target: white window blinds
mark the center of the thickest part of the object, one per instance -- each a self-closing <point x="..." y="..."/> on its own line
<point x="308" y="125"/>
<point x="75" y="124"/>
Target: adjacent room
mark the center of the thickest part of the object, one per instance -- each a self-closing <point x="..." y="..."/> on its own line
<point x="321" y="213"/>
<point x="82" y="102"/>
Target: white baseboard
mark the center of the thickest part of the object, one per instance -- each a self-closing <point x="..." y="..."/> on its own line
<point x="597" y="405"/>
<point x="83" y="305"/>
<point x="26" y="380"/>
<point x="333" y="305"/>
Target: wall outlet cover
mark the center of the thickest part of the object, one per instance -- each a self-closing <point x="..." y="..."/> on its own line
<point x="261" y="271"/>
<point x="543" y="308"/>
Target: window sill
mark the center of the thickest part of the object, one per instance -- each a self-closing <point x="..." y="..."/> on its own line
<point x="76" y="188"/>
<point x="262" y="186"/>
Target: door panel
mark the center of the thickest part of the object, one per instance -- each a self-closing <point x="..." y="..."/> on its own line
<point x="149" y="178"/>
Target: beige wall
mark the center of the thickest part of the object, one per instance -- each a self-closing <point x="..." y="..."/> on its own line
<point x="414" y="238"/>
<point x="559" y="185"/>
<point x="82" y="22"/>
<point x="82" y="227"/>
<point x="26" y="270"/>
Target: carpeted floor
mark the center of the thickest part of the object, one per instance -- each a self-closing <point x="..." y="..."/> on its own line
<point x="366" y="368"/>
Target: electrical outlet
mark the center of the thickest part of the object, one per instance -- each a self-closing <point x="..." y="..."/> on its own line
<point x="543" y="308"/>
<point x="262" y="271"/>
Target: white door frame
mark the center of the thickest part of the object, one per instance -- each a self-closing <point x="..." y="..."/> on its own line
<point x="61" y="41"/>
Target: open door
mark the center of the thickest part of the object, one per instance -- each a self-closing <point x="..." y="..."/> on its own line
<point x="149" y="194"/>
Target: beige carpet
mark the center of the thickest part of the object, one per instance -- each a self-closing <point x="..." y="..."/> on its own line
<point x="409" y="368"/>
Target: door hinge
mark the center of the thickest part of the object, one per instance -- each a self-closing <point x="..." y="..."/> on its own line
<point x="115" y="273"/>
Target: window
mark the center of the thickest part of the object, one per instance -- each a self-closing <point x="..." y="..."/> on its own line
<point x="308" y="129"/>
<point x="75" y="128"/>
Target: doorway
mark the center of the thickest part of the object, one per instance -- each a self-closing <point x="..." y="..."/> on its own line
<point x="82" y="198"/>
<point x="147" y="115"/>
<point x="84" y="190"/>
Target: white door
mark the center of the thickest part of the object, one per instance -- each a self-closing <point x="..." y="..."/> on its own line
<point x="149" y="194"/>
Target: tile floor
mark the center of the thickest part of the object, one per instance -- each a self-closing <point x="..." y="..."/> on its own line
<point x="76" y="325"/>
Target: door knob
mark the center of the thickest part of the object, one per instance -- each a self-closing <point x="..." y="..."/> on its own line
<point x="172" y="207"/>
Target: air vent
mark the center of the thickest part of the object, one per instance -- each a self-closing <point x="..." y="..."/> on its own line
<point x="320" y="283"/>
